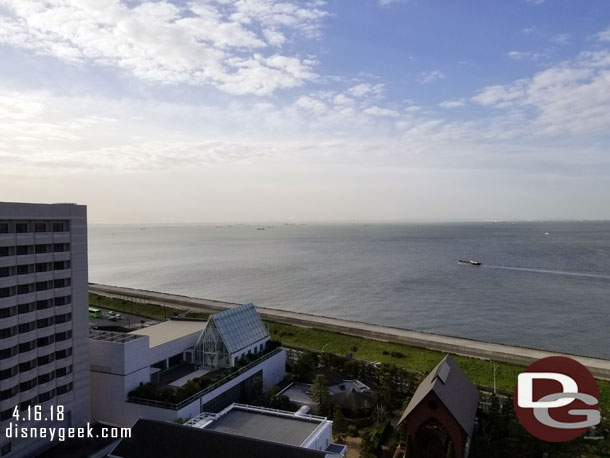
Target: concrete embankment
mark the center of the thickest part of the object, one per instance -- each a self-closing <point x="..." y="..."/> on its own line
<point x="600" y="368"/>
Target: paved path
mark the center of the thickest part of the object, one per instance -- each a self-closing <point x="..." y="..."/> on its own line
<point x="600" y="368"/>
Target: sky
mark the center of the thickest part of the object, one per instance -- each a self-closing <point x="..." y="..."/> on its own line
<point x="286" y="110"/>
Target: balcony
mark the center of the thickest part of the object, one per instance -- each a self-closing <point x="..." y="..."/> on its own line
<point x="62" y="256"/>
<point x="44" y="276"/>
<point x="7" y="261"/>
<point x="64" y="273"/>
<point x="5" y="282"/>
<point x="61" y="237"/>
<point x="44" y="257"/>
<point x="8" y="240"/>
<point x="43" y="237"/>
<point x="65" y="291"/>
<point x="26" y="279"/>
<point x="26" y="238"/>
<point x="8" y="301"/>
<point x="9" y="322"/>
<point x="9" y="403"/>
<point x="25" y="259"/>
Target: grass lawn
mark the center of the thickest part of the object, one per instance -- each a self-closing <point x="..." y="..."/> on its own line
<point x="159" y="312"/>
<point x="480" y="371"/>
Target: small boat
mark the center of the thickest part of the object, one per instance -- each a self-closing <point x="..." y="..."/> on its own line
<point x="469" y="263"/>
<point x="260" y="228"/>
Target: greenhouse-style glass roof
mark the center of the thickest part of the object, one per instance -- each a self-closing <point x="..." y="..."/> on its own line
<point x="239" y="327"/>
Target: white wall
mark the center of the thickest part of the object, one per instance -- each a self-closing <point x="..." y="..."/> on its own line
<point x="111" y="407"/>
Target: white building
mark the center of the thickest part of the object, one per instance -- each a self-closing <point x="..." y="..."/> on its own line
<point x="271" y="425"/>
<point x="164" y="354"/>
<point x="44" y="358"/>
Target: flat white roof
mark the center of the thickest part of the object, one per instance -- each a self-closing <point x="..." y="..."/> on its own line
<point x="169" y="330"/>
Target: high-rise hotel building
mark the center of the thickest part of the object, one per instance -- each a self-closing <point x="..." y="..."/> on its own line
<point x="44" y="332"/>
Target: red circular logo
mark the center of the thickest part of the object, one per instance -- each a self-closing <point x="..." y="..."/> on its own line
<point x="557" y="399"/>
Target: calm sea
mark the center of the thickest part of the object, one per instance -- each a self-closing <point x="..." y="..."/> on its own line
<point x="542" y="285"/>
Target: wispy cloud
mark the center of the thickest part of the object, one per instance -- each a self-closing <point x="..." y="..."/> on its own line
<point x="604" y="35"/>
<point x="429" y="77"/>
<point x="570" y="97"/>
<point x="452" y="103"/>
<point x="234" y="46"/>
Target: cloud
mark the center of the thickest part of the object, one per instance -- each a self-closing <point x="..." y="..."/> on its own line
<point x="452" y="103"/>
<point x="536" y="2"/>
<point x="232" y="45"/>
<point x="390" y="2"/>
<point x="570" y="97"/>
<point x="529" y="55"/>
<point x="429" y="77"/>
<point x="604" y="35"/>
<point x="378" y="111"/>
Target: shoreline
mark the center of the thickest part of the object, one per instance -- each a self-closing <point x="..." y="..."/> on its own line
<point x="599" y="367"/>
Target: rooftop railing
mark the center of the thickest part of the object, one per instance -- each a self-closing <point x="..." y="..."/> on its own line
<point x="206" y="390"/>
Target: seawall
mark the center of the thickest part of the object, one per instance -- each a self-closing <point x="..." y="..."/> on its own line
<point x="600" y="368"/>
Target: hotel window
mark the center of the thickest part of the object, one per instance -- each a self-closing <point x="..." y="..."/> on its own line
<point x="27" y="346"/>
<point x="44" y="304"/>
<point x="8" y="352"/>
<point x="3" y="251"/>
<point x="21" y="228"/>
<point x="43" y="285"/>
<point x="61" y="265"/>
<point x="27" y="327"/>
<point x="26" y="308"/>
<point x="8" y="373"/>
<point x="46" y="396"/>
<point x="9" y="393"/>
<point x="42" y="267"/>
<point x="63" y="371"/>
<point x="27" y="366"/>
<point x="7" y="312"/>
<point x="22" y="250"/>
<point x="8" y="332"/>
<point x="40" y="227"/>
<point x="42" y="360"/>
<point x="40" y="249"/>
<point x="62" y="300"/>
<point x="59" y="227"/>
<point x="23" y="269"/>
<point x="24" y="289"/>
<point x="5" y="415"/>
<point x="45" y="322"/>
<point x="6" y="292"/>
<point x="25" y="404"/>
<point x="60" y="247"/>
<point x="46" y="377"/>
<point x="5" y="271"/>
<point x="64" y="388"/>
<point x="63" y="318"/>
<point x="61" y="283"/>
<point x="3" y="228"/>
<point x="61" y="354"/>
<point x="44" y="341"/>
<point x="28" y="385"/>
<point x="61" y="336"/>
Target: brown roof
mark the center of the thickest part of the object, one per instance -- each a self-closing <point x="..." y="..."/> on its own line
<point x="455" y="390"/>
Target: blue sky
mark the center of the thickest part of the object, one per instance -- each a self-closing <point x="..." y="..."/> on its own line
<point x="254" y="110"/>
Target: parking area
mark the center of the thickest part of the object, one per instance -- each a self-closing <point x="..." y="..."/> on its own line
<point x="125" y="320"/>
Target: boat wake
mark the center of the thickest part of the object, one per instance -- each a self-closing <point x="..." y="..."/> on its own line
<point x="555" y="272"/>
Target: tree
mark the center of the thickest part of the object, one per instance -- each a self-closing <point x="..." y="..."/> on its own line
<point x="320" y="394"/>
<point x="308" y="362"/>
<point x="339" y="425"/>
<point x="366" y="446"/>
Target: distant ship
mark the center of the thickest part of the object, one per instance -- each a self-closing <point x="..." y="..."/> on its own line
<point x="260" y="228"/>
<point x="469" y="263"/>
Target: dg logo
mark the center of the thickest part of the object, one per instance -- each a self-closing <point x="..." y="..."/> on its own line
<point x="557" y="399"/>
